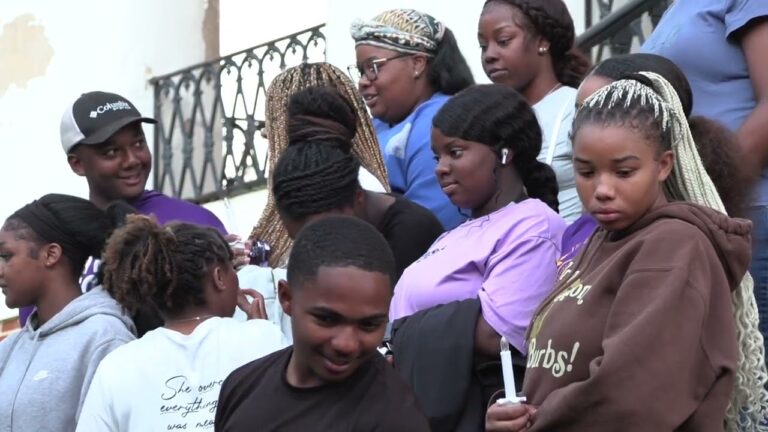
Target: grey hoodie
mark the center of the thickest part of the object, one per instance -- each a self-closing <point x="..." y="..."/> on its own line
<point x="45" y="372"/>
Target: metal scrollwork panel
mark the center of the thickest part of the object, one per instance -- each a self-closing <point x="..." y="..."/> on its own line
<point x="210" y="116"/>
<point x="627" y="39"/>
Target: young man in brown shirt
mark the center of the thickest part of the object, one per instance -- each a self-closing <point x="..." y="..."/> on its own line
<point x="339" y="287"/>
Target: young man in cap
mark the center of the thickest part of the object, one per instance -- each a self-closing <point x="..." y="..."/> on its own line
<point x="103" y="138"/>
<point x="339" y="287"/>
<point x="104" y="141"/>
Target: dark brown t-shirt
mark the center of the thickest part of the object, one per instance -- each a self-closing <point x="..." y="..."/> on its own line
<point x="258" y="397"/>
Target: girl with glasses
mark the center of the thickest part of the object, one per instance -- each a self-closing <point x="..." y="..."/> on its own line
<point x="408" y="65"/>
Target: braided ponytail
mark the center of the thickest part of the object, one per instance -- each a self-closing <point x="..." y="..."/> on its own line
<point x="317" y="172"/>
<point x="540" y="182"/>
<point x="365" y="145"/>
<point x="748" y="407"/>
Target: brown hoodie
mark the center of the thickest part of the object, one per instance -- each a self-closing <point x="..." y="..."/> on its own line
<point x="639" y="334"/>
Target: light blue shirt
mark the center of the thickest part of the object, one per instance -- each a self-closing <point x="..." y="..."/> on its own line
<point x="411" y="164"/>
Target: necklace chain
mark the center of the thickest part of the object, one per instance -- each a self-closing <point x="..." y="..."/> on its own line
<point x="197" y="318"/>
<point x="557" y="86"/>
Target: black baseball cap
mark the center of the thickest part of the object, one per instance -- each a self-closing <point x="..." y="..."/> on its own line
<point x="96" y="116"/>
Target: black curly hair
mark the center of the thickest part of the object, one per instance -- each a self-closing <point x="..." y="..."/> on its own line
<point x="498" y="116"/>
<point x="721" y="156"/>
<point x="144" y="261"/>
<point x="551" y="20"/>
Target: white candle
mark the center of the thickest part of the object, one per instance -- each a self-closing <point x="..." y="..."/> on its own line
<point x="509" y="377"/>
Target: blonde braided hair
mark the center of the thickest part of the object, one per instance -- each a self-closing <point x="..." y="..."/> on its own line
<point x="364" y="145"/>
<point x="689" y="181"/>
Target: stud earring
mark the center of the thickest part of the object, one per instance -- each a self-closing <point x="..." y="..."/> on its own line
<point x="543" y="50"/>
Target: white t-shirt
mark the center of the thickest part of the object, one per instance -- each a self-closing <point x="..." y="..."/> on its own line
<point x="555" y="114"/>
<point x="170" y="381"/>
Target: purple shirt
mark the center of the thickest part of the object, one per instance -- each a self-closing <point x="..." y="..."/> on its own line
<point x="576" y="236"/>
<point x="507" y="259"/>
<point x="165" y="209"/>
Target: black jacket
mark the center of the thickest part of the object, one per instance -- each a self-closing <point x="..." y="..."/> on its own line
<point x="434" y="351"/>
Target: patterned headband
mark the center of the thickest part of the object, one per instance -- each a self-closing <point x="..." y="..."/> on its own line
<point x="403" y="30"/>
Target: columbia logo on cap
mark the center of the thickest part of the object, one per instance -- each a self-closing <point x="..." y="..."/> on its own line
<point x="96" y="116"/>
<point x="112" y="106"/>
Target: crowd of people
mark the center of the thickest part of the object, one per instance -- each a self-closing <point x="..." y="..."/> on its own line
<point x="594" y="220"/>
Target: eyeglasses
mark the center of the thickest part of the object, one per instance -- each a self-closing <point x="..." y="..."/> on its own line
<point x="370" y="68"/>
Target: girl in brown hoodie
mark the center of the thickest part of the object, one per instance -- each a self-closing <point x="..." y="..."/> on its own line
<point x="640" y="333"/>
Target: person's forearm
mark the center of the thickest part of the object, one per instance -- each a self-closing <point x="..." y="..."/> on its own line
<point x="753" y="133"/>
<point x="487" y="340"/>
<point x="753" y="139"/>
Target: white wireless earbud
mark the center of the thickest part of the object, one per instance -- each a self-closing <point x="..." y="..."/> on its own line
<point x="504" y="154"/>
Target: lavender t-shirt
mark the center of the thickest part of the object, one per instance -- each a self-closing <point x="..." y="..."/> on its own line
<point x="507" y="259"/>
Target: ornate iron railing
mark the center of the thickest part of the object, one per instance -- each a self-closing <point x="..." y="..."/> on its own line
<point x="617" y="27"/>
<point x="210" y="115"/>
<point x="208" y="137"/>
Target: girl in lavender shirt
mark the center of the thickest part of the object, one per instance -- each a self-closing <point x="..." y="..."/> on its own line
<point x="485" y="140"/>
